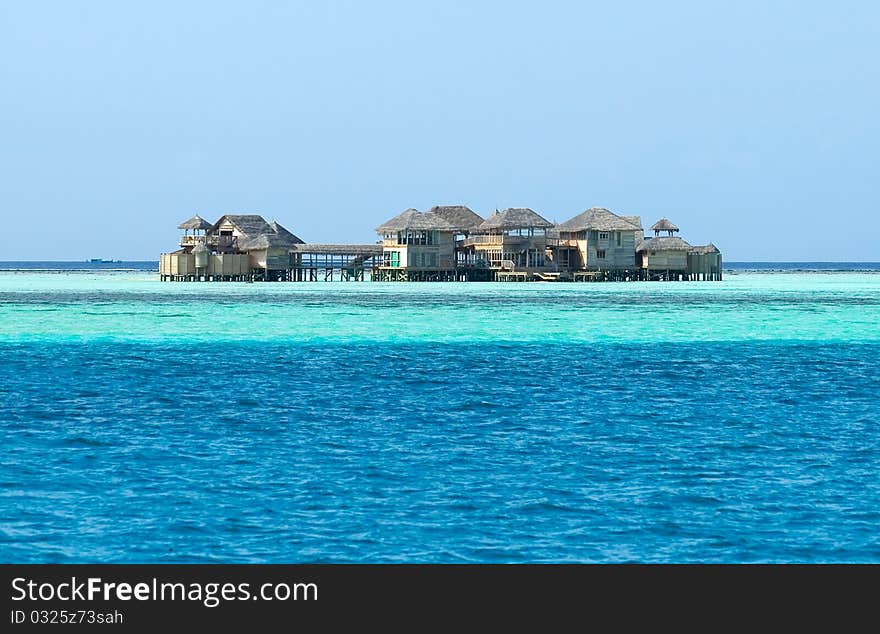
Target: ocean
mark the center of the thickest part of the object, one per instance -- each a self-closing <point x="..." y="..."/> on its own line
<point x="732" y="421"/>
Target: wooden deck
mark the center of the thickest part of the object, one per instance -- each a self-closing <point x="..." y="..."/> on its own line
<point x="513" y="276"/>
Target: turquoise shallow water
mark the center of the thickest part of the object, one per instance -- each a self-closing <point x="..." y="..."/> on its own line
<point x="136" y="307"/>
<point x="732" y="421"/>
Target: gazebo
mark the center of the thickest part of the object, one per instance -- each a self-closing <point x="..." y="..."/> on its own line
<point x="664" y="224"/>
<point x="194" y="224"/>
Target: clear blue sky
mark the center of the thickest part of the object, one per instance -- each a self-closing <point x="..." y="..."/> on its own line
<point x="751" y="124"/>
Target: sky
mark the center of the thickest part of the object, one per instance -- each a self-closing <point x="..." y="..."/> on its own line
<point x="753" y="125"/>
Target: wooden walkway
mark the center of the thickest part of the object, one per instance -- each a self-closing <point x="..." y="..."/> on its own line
<point x="345" y="262"/>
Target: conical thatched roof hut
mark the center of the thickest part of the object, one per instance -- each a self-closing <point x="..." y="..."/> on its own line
<point x="663" y="224"/>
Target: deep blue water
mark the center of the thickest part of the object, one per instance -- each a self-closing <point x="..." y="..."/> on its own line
<point x="462" y="452"/>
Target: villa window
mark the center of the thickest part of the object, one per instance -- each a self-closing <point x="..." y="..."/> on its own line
<point x="535" y="258"/>
<point x="600" y="254"/>
<point x="619" y="238"/>
<point x="421" y="238"/>
<point x="603" y="235"/>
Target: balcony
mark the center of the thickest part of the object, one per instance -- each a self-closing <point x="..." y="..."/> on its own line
<point x="222" y="242"/>
<point x="191" y="241"/>
<point x="496" y="239"/>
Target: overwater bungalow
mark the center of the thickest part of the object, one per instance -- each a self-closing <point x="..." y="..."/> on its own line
<point x="417" y="246"/>
<point x="598" y="240"/>
<point x="236" y="247"/>
<point x="704" y="263"/>
<point x="514" y="239"/>
<point x="670" y="257"/>
<point x="267" y="244"/>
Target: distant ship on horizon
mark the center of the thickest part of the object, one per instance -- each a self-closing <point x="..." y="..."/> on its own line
<point x="102" y="261"/>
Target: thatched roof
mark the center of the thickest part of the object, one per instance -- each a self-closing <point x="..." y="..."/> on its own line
<point x="196" y="222"/>
<point x="601" y="219"/>
<point x="264" y="241"/>
<point x="703" y="249"/>
<point x="338" y="249"/>
<point x="635" y="220"/>
<point x="413" y="219"/>
<point x="462" y="218"/>
<point x="663" y="225"/>
<point x="663" y="243"/>
<point x="251" y="225"/>
<point x="259" y="234"/>
<point x="515" y="218"/>
<point x="284" y="233"/>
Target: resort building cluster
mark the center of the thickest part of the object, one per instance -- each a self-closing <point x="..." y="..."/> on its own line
<point x="445" y="243"/>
